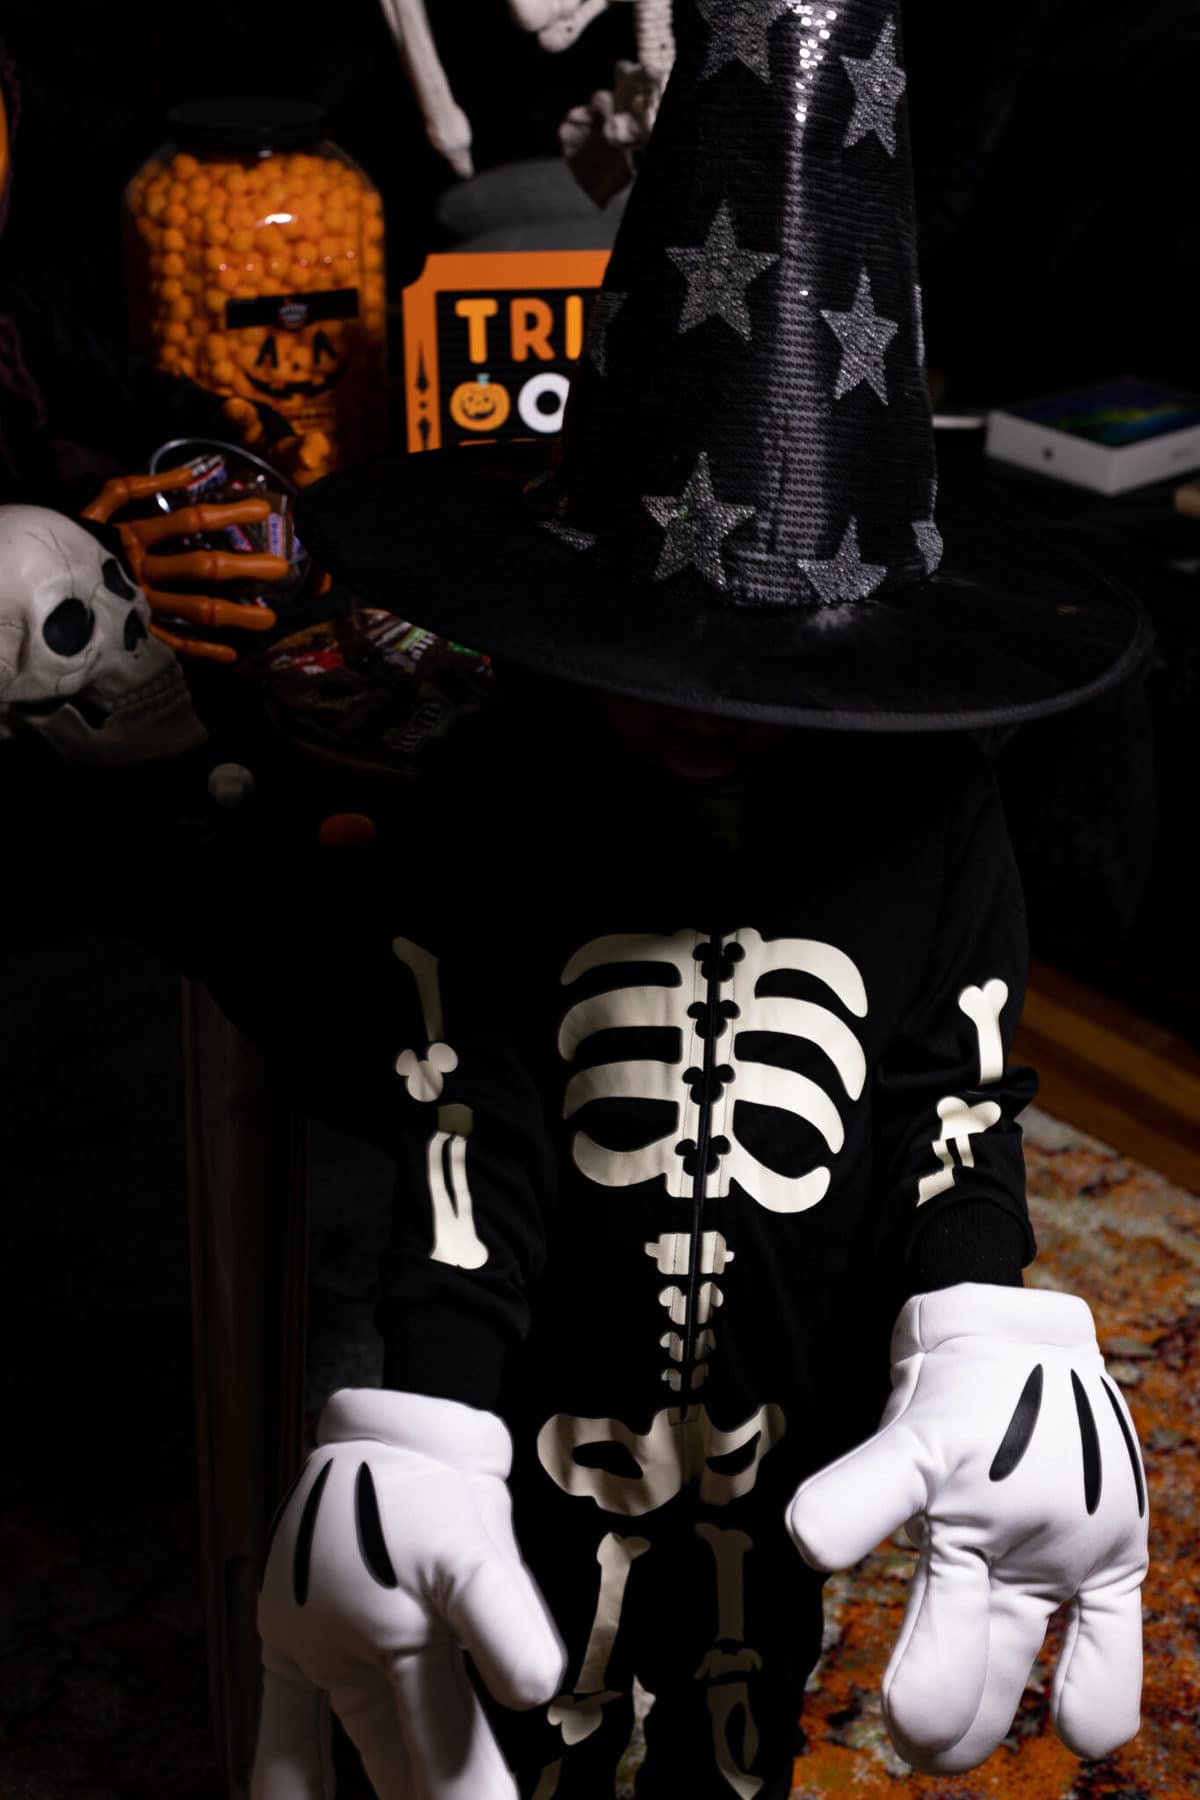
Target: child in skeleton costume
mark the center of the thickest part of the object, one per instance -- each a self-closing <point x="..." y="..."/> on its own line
<point x="701" y="1094"/>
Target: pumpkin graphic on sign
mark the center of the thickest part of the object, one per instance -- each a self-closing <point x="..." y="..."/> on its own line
<point x="481" y="404"/>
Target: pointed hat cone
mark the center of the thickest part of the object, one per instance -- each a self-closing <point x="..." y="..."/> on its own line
<point x="751" y="412"/>
<point x="742" y="516"/>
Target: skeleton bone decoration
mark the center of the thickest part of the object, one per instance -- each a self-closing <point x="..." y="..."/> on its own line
<point x="681" y="1004"/>
<point x="423" y="1075"/>
<point x="679" y="1448"/>
<point x="672" y="1253"/>
<point x="601" y="139"/>
<point x="960" y="1122"/>
<point x="983" y="1007"/>
<point x="578" y="1714"/>
<point x="723" y="1702"/>
<point x="77" y="662"/>
<point x="446" y="124"/>
<point x="730" y="1549"/>
<point x="455" y="1239"/>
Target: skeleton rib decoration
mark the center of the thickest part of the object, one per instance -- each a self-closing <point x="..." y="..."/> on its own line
<point x="699" y="1021"/>
<point x="701" y="1125"/>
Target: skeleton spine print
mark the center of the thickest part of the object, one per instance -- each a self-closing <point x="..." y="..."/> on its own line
<point x="705" y="989"/>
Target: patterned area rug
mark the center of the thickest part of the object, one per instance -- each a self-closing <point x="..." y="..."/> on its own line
<point x="102" y="1670"/>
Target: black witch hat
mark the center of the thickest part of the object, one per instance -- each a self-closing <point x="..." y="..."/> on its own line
<point x="742" y="517"/>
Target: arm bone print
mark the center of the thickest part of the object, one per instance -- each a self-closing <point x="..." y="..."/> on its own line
<point x="983" y="1006"/>
<point x="455" y="1238"/>
<point x="423" y="1075"/>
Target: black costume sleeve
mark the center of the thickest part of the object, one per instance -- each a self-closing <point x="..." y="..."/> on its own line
<point x="446" y="1036"/>
<point x="948" y="1148"/>
<point x="475" y="1178"/>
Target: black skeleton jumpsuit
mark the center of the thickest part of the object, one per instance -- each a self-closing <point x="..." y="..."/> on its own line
<point x="720" y="1094"/>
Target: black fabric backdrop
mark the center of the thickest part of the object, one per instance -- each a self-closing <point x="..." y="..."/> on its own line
<point x="1053" y="146"/>
<point x="1052" y="141"/>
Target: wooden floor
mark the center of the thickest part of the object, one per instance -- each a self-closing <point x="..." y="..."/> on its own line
<point x="1129" y="1082"/>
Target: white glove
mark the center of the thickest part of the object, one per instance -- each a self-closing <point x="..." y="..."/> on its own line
<point x="1014" y="1461"/>
<point x="394" y="1551"/>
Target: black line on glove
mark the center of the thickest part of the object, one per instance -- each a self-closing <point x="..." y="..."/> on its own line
<point x="1090" y="1444"/>
<point x="371" y="1544"/>
<point x="273" y="1527"/>
<point x="1015" y="1441"/>
<point x="1134" y="1463"/>
<point x="304" y="1537"/>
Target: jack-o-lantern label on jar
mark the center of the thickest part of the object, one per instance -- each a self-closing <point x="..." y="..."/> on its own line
<point x="491" y="341"/>
<point x="261" y="277"/>
<point x="291" y="350"/>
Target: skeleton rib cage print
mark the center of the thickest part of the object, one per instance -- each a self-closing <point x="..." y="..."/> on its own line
<point x="678" y="1044"/>
<point x="703" y="990"/>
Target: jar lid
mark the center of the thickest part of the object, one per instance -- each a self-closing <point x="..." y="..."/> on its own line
<point x="246" y="123"/>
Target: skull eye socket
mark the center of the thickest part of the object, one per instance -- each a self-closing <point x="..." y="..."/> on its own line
<point x="68" y="629"/>
<point x="114" y="580"/>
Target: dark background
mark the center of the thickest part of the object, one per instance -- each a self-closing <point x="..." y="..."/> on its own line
<point x="1059" y="243"/>
<point x="1053" y="143"/>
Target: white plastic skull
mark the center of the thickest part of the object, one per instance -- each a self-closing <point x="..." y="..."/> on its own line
<point x="77" y="662"/>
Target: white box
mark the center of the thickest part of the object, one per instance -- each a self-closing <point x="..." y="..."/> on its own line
<point x="1117" y="435"/>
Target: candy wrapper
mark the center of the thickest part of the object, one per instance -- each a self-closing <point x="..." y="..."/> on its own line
<point x="224" y="473"/>
<point x="373" y="689"/>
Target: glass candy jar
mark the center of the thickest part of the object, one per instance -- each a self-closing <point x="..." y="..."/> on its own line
<point x="254" y="258"/>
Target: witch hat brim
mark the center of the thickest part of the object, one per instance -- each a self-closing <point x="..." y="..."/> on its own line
<point x="1009" y="628"/>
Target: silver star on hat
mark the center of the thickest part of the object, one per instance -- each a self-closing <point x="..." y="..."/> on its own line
<point x="570" y="535"/>
<point x="740" y="34"/>
<point x="878" y="82"/>
<point x="718" y="272"/>
<point x="844" y="575"/>
<point x="929" y="543"/>
<point x="864" y="336"/>
<point x="695" y="524"/>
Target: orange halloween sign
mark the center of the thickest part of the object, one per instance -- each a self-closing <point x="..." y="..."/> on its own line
<point x="490" y="341"/>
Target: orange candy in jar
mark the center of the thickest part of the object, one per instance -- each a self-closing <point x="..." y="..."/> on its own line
<point x="254" y="256"/>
